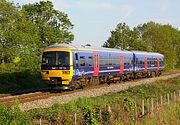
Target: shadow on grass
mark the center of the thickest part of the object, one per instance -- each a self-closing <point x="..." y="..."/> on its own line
<point x="20" y="81"/>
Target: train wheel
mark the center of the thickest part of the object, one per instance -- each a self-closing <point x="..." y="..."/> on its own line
<point x="153" y="74"/>
<point x="159" y="73"/>
<point x="83" y="83"/>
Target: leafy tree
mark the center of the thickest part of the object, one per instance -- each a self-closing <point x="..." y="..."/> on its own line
<point x="16" y="32"/>
<point x="150" y="36"/>
<point x="161" y="38"/>
<point x="124" y="38"/>
<point x="53" y="25"/>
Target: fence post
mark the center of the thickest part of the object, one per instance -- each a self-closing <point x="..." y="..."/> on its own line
<point x="174" y="96"/>
<point x="75" y="119"/>
<point x="136" y="111"/>
<point x="148" y="107"/>
<point x="168" y="98"/>
<point x="171" y="98"/>
<point x="142" y="107"/>
<point x="157" y="103"/>
<point x="40" y="121"/>
<point x="161" y="100"/>
<point x="109" y="109"/>
<point x="100" y="116"/>
<point x="152" y="105"/>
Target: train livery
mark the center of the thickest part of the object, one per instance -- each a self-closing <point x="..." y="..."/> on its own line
<point x="66" y="66"/>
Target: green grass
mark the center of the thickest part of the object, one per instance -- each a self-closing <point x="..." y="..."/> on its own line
<point x="13" y="116"/>
<point x="89" y="110"/>
<point x="122" y="99"/>
<point x="166" y="115"/>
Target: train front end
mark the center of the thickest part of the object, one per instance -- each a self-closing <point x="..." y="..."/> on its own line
<point x="57" y="67"/>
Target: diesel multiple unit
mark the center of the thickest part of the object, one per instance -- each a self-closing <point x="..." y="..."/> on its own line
<point x="68" y="67"/>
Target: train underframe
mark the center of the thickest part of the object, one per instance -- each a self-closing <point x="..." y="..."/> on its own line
<point x="83" y="82"/>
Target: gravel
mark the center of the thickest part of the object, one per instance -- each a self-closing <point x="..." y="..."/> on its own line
<point x="44" y="103"/>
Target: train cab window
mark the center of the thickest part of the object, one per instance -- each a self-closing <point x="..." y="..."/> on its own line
<point x="56" y="58"/>
<point x="82" y="60"/>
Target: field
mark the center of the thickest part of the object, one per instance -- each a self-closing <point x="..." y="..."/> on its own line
<point x="112" y="108"/>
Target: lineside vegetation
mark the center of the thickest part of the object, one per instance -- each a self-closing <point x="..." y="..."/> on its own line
<point x="95" y="110"/>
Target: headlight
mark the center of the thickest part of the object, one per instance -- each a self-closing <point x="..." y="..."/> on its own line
<point x="66" y="72"/>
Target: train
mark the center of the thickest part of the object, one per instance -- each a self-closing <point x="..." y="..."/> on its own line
<point x="66" y="66"/>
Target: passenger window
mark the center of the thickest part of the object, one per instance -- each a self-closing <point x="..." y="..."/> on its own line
<point x="76" y="61"/>
<point x="90" y="61"/>
<point x="82" y="57"/>
<point x="82" y="60"/>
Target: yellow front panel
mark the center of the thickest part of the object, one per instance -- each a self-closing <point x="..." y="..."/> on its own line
<point x="57" y="73"/>
<point x="64" y="74"/>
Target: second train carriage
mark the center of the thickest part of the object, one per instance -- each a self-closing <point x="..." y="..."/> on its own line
<point x="68" y="66"/>
<point x="148" y="63"/>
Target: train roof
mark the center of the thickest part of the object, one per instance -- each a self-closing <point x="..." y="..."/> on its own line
<point x="85" y="48"/>
<point x="91" y="48"/>
<point x="147" y="53"/>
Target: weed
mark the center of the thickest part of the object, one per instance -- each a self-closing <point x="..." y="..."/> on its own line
<point x="13" y="115"/>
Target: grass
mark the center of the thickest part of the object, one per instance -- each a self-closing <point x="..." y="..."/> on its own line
<point x="166" y="115"/>
<point x="123" y="99"/>
<point x="89" y="110"/>
<point x="13" y="116"/>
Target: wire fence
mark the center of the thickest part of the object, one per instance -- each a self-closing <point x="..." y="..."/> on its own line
<point x="146" y="107"/>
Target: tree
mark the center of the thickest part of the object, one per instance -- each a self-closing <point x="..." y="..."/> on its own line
<point x="161" y="38"/>
<point x="124" y="38"/>
<point x="151" y="37"/>
<point x="16" y="32"/>
<point x="53" y="25"/>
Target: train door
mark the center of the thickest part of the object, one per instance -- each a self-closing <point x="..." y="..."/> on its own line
<point x="158" y="63"/>
<point x="96" y="63"/>
<point x="145" y="63"/>
<point x="121" y="63"/>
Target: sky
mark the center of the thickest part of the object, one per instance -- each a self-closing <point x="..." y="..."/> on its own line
<point x="94" y="19"/>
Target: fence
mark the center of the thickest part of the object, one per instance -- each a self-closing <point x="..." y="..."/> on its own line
<point x="147" y="107"/>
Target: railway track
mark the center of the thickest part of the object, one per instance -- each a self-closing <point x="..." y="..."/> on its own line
<point x="23" y="97"/>
<point x="10" y="99"/>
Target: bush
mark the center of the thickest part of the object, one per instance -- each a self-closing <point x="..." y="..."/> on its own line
<point x="13" y="115"/>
